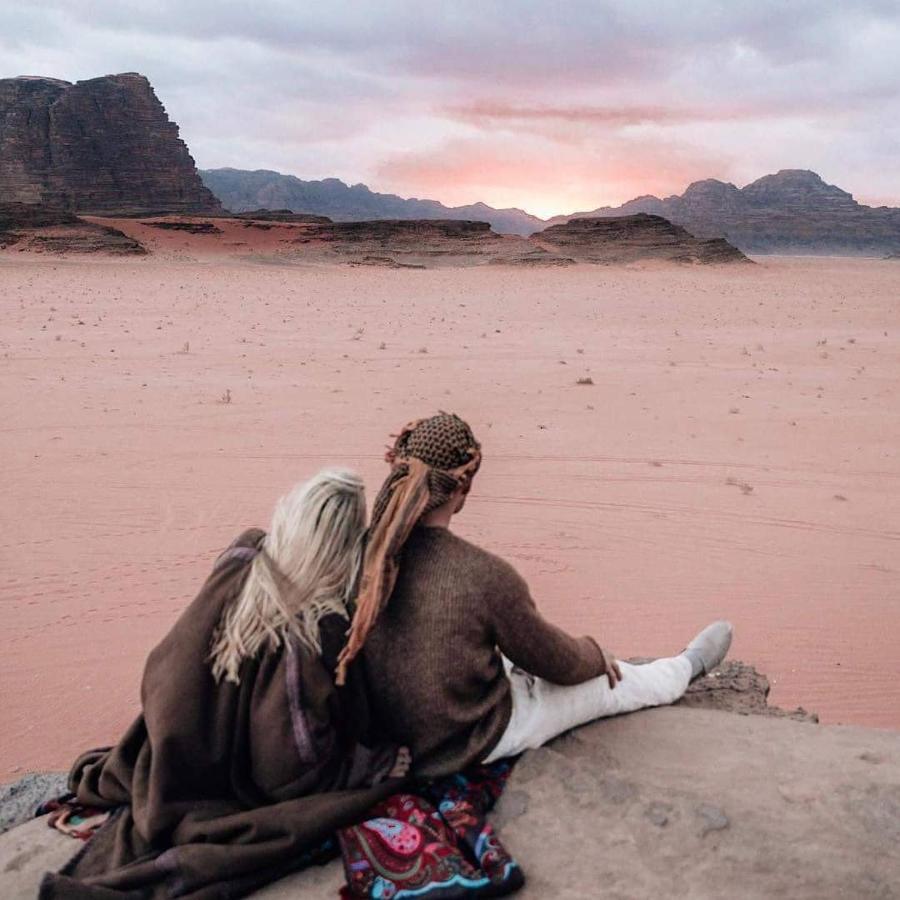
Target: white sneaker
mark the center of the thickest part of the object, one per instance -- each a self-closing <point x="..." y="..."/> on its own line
<point x="709" y="648"/>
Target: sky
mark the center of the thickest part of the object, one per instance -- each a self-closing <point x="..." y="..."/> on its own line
<point x="548" y="106"/>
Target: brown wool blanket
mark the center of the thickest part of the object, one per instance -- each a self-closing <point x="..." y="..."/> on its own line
<point x="221" y="788"/>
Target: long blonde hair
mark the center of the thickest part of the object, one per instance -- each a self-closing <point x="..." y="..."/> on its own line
<point x="306" y="568"/>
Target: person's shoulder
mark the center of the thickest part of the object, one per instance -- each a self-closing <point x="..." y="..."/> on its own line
<point x="492" y="567"/>
<point x="242" y="549"/>
<point x="249" y="537"/>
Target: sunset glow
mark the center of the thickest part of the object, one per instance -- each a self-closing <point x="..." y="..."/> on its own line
<point x="547" y="108"/>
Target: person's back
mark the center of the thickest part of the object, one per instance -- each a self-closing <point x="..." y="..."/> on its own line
<point x="460" y="665"/>
<point x="449" y="693"/>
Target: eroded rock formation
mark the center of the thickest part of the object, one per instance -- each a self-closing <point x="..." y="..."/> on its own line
<point x="17" y="219"/>
<point x="81" y="238"/>
<point x="40" y="228"/>
<point x="626" y="239"/>
<point x="407" y="242"/>
<point x="280" y="215"/>
<point x="101" y="146"/>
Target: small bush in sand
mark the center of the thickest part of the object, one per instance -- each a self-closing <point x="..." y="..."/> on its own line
<point x="586" y="380"/>
<point x="745" y="487"/>
<point x="226" y="397"/>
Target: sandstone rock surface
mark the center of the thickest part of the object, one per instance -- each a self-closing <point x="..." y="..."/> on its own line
<point x="408" y="242"/>
<point x="427" y="242"/>
<point x="20" y="219"/>
<point x="677" y="802"/>
<point x="39" y="228"/>
<point x="81" y="238"/>
<point x="17" y="216"/>
<point x="668" y="802"/>
<point x="280" y="215"/>
<point x="104" y="145"/>
<point x="633" y="239"/>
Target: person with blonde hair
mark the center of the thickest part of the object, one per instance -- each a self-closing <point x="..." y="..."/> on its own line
<point x="246" y="755"/>
<point x="304" y="569"/>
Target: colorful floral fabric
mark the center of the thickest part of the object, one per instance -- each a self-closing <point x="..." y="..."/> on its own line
<point x="436" y="844"/>
<point x="74" y="819"/>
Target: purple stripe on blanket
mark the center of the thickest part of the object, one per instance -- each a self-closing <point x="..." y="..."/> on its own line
<point x="244" y="554"/>
<point x="302" y="738"/>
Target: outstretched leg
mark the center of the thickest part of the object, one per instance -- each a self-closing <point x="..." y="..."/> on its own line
<point x="542" y="710"/>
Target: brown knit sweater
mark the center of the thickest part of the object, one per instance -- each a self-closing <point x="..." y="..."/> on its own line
<point x="433" y="657"/>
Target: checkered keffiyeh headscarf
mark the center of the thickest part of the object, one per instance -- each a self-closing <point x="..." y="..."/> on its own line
<point x="429" y="460"/>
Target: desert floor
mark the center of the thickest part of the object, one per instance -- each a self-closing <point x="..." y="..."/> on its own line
<point x="736" y="455"/>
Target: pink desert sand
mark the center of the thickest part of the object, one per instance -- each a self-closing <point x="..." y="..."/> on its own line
<point x="663" y="446"/>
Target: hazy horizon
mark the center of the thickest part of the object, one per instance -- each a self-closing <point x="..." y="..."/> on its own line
<point x="375" y="189"/>
<point x="551" y="108"/>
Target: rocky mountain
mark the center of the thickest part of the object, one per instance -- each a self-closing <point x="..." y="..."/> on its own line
<point x="105" y="145"/>
<point x="625" y="239"/>
<point x="792" y="211"/>
<point x="241" y="191"/>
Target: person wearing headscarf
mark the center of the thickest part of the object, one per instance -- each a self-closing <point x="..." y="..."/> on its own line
<point x="460" y="664"/>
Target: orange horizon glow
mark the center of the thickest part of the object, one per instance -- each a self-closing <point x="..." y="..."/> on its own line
<point x="545" y="181"/>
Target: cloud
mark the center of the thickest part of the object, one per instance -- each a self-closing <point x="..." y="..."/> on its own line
<point x="548" y="99"/>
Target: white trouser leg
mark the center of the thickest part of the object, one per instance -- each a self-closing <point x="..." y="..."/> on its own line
<point x="542" y="710"/>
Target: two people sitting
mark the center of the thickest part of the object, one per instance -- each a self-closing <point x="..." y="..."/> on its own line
<point x="323" y="665"/>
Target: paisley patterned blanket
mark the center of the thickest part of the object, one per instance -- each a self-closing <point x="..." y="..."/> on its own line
<point x="436" y="844"/>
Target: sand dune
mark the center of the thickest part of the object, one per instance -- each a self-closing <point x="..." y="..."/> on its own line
<point x="735" y="453"/>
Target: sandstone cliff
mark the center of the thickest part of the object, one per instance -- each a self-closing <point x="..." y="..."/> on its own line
<point x="792" y="211"/>
<point x="104" y="145"/>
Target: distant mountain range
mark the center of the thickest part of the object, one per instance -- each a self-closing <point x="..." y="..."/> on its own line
<point x="107" y="146"/>
<point x="792" y="211"/>
<point x="241" y="190"/>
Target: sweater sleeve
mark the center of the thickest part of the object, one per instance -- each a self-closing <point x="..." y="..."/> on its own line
<point x="529" y="641"/>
